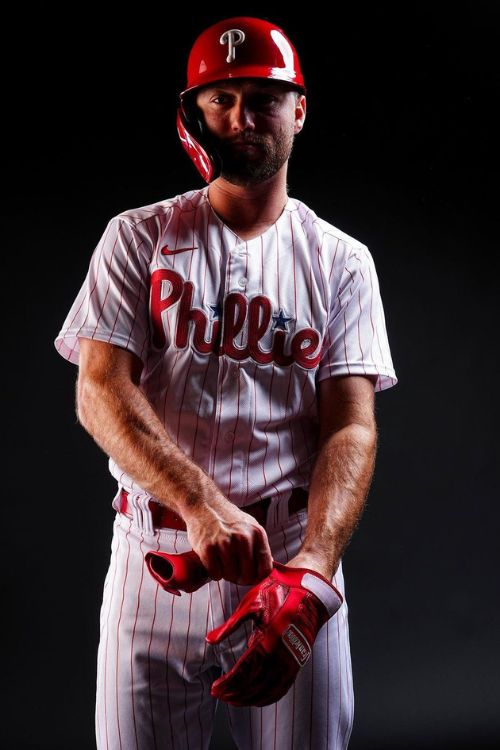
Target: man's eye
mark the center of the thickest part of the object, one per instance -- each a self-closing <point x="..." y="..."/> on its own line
<point x="268" y="103"/>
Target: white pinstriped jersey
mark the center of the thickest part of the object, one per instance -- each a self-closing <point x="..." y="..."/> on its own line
<point x="234" y="334"/>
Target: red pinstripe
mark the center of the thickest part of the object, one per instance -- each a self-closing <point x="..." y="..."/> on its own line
<point x="96" y="282"/>
<point x="359" y="333"/>
<point x="167" y="681"/>
<point x="268" y="423"/>
<point x="108" y="287"/>
<point x="242" y="335"/>
<point x="278" y="267"/>
<point x="325" y="294"/>
<point x="121" y="295"/>
<point x="166" y="655"/>
<point x="149" y="660"/>
<point x="294" y="269"/>
<point x="302" y="532"/>
<point x="179" y="215"/>
<point x="201" y="726"/>
<point x="184" y="666"/>
<point x="279" y="308"/>
<point x="186" y="381"/>
<point x="234" y="433"/>
<point x="311" y="297"/>
<point x="132" y="643"/>
<point x="172" y="373"/>
<point x="261" y="263"/>
<point x="106" y="657"/>
<point x="219" y="408"/>
<point x="371" y="317"/>
<point x="297" y="465"/>
<point x="195" y="434"/>
<point x="118" y="639"/>
<point x="329" y="281"/>
<point x="304" y="383"/>
<point x="345" y="323"/>
<point x="202" y="391"/>
<point x="254" y="420"/>
<point x="378" y="335"/>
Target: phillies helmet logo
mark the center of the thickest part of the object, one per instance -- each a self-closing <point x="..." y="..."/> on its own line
<point x="232" y="38"/>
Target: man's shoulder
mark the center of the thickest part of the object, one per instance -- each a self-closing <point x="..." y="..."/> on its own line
<point x="160" y="210"/>
<point x="325" y="230"/>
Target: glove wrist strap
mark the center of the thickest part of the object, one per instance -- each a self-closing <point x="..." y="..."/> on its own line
<point x="325" y="592"/>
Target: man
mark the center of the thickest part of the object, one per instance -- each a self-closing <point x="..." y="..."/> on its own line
<point x="229" y="344"/>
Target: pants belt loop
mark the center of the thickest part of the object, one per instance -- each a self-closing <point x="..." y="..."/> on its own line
<point x="141" y="513"/>
<point x="277" y="513"/>
<point x="147" y="516"/>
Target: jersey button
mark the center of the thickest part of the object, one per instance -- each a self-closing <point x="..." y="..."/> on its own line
<point x="243" y="281"/>
<point x="229" y="437"/>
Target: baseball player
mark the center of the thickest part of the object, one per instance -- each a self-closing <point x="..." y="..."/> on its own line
<point x="229" y="344"/>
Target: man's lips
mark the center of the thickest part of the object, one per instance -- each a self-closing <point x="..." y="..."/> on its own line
<point x="241" y="146"/>
<point x="246" y="143"/>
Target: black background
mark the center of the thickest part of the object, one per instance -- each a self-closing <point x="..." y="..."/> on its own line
<point x="398" y="150"/>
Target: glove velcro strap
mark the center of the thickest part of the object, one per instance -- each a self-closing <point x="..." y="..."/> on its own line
<point x="326" y="593"/>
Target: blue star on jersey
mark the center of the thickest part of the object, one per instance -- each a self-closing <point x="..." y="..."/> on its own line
<point x="216" y="310"/>
<point x="280" y="321"/>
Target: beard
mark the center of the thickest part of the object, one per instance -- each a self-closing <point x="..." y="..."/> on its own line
<point x="249" y="166"/>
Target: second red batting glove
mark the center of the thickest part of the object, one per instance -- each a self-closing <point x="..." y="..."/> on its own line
<point x="288" y="607"/>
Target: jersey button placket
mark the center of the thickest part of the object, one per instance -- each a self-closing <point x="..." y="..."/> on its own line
<point x="239" y="264"/>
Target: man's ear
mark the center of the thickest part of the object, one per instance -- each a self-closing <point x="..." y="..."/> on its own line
<point x="300" y="113"/>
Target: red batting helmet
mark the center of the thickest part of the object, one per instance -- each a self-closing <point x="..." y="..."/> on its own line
<point x="238" y="47"/>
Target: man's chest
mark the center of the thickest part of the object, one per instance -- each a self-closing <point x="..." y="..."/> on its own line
<point x="263" y="300"/>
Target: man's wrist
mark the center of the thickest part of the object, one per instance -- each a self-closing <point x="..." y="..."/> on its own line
<point x="201" y="494"/>
<point x="314" y="561"/>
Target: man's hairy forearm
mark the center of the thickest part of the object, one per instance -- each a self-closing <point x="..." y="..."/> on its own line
<point x="122" y="422"/>
<point x="339" y="486"/>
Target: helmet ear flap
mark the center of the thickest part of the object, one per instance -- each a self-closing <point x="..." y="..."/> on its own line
<point x="196" y="142"/>
<point x="192" y="118"/>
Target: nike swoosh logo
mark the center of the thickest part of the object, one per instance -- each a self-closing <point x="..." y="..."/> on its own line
<point x="167" y="251"/>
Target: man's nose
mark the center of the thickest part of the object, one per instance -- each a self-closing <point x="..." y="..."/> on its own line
<point x="242" y="117"/>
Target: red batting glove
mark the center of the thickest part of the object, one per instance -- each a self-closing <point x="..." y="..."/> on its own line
<point x="177" y="572"/>
<point x="288" y="608"/>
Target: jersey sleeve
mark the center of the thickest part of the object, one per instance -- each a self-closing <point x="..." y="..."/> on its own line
<point x="356" y="341"/>
<point x="112" y="304"/>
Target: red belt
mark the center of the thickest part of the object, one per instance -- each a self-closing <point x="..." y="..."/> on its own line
<point x="165" y="518"/>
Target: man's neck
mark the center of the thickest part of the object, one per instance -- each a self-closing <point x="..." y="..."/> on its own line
<point x="249" y="210"/>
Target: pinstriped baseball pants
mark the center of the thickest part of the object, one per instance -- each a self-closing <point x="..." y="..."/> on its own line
<point x="155" y="669"/>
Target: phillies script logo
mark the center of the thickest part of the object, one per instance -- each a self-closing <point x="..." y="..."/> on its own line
<point x="237" y="308"/>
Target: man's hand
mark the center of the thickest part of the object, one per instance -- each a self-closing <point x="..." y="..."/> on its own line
<point x="230" y="543"/>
